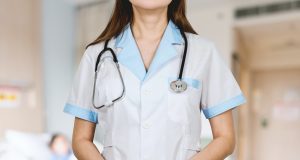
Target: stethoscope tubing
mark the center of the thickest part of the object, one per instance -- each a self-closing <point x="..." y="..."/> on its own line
<point x="184" y="54"/>
<point x="106" y="48"/>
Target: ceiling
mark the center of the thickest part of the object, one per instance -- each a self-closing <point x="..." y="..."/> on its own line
<point x="271" y="45"/>
<point x="272" y="38"/>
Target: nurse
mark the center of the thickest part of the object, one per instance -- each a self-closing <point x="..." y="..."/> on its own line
<point x="151" y="121"/>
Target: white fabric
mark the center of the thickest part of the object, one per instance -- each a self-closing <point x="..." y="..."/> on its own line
<point x="24" y="146"/>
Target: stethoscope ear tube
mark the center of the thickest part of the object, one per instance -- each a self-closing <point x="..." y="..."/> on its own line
<point x="184" y="54"/>
<point x="96" y="74"/>
<point x="102" y="52"/>
<point x="179" y="85"/>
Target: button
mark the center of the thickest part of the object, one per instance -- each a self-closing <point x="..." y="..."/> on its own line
<point x="146" y="125"/>
<point x="145" y="157"/>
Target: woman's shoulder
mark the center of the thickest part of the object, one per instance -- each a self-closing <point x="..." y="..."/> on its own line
<point x="198" y="41"/>
<point x="92" y="51"/>
<point x="196" y="38"/>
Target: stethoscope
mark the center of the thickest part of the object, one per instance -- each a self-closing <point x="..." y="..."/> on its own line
<point x="177" y="85"/>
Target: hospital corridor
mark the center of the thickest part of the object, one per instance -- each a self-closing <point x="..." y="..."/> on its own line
<point x="42" y="43"/>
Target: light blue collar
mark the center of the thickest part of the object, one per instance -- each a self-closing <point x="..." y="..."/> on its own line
<point x="130" y="56"/>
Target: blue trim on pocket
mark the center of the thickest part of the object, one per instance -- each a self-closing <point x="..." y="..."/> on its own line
<point x="81" y="112"/>
<point x="210" y="112"/>
<point x="190" y="81"/>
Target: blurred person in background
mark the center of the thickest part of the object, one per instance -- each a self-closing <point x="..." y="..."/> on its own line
<point x="60" y="147"/>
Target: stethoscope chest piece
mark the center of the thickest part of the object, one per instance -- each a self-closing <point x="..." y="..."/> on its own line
<point x="178" y="86"/>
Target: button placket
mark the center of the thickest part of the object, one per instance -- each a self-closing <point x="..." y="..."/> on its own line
<point x="145" y="124"/>
<point x="147" y="92"/>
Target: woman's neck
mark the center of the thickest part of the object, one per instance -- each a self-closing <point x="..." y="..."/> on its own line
<point x="149" y="24"/>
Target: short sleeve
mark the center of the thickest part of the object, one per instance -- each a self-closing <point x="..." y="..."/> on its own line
<point x="220" y="91"/>
<point x="79" y="102"/>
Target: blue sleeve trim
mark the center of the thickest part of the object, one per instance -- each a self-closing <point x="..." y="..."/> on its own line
<point x="210" y="112"/>
<point x="81" y="112"/>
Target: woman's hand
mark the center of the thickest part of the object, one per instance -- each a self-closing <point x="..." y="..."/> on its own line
<point x="223" y="138"/>
<point x="82" y="141"/>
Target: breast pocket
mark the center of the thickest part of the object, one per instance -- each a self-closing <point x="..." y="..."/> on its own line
<point x="184" y="104"/>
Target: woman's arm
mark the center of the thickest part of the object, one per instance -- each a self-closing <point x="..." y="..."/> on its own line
<point x="223" y="138"/>
<point x="82" y="141"/>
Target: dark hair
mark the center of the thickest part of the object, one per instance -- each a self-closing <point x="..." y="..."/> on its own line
<point x="54" y="136"/>
<point x="123" y="14"/>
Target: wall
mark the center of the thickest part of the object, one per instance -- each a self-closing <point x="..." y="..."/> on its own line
<point x="20" y="65"/>
<point x="278" y="104"/>
<point x="215" y="23"/>
<point x="58" y="59"/>
<point x="91" y="21"/>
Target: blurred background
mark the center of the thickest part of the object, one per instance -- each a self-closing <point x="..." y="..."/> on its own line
<point x="42" y="41"/>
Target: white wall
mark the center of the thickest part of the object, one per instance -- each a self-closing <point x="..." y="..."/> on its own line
<point x="20" y="65"/>
<point x="58" y="57"/>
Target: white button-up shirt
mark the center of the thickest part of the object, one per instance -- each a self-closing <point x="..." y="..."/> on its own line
<point x="151" y="121"/>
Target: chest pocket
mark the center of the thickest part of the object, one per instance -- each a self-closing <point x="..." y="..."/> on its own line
<point x="183" y="105"/>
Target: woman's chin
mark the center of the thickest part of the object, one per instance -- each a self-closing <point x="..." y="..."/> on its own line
<point x="150" y="4"/>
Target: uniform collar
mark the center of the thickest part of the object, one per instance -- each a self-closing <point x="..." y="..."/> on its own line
<point x="171" y="34"/>
<point x="130" y="56"/>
